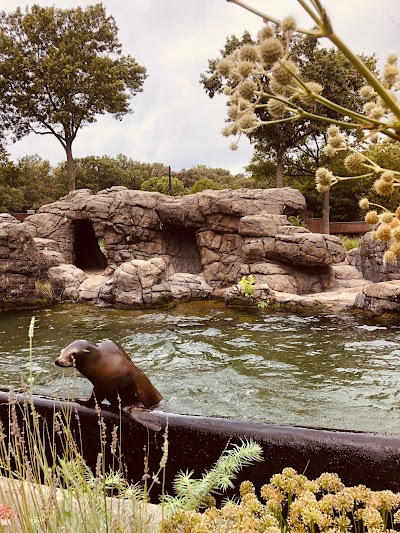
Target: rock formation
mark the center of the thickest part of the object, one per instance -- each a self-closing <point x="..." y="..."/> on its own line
<point x="368" y="258"/>
<point x="23" y="269"/>
<point x="131" y="248"/>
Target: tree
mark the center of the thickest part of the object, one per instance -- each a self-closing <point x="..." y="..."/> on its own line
<point x="162" y="185"/>
<point x="203" y="184"/>
<point x="59" y="69"/>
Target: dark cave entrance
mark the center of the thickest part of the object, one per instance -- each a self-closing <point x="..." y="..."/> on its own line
<point x="181" y="246"/>
<point x="87" y="253"/>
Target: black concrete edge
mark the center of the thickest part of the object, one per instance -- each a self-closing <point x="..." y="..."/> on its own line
<point x="196" y="443"/>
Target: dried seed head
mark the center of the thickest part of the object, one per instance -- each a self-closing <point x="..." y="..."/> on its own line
<point x="367" y="92"/>
<point x="371" y="218"/>
<point x="364" y="203"/>
<point x="374" y="138"/>
<point x="386" y="217"/>
<point x="276" y="108"/>
<point x="328" y="151"/>
<point x="246" y="487"/>
<point x="324" y="177"/>
<point x="265" y="33"/>
<point x="247" y="121"/>
<point x="333" y="131"/>
<point x="392" y="59"/>
<point x="247" y="89"/>
<point x="395" y="248"/>
<point x="389" y="257"/>
<point x="383" y="233"/>
<point x="284" y="73"/>
<point x="276" y="88"/>
<point x="395" y="222"/>
<point x="308" y="97"/>
<point x="233" y="146"/>
<point x="388" y="176"/>
<point x="245" y="68"/>
<point x="353" y="162"/>
<point x="233" y="112"/>
<point x="271" y="50"/>
<point x="390" y="74"/>
<point x="336" y="142"/>
<point x="368" y="107"/>
<point x="383" y="187"/>
<point x="249" y="52"/>
<point x="377" y="112"/>
<point x="224" y="67"/>
<point x="396" y="232"/>
<point x="288" y="24"/>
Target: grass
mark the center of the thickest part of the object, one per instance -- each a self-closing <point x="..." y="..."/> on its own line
<point x="349" y="242"/>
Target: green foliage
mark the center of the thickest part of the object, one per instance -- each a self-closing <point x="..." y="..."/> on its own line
<point x="60" y="68"/>
<point x="162" y="185"/>
<point x="194" y="494"/>
<point x="297" y="221"/>
<point x="110" y="171"/>
<point x="350" y="242"/>
<point x="202" y="184"/>
<point x="246" y="286"/>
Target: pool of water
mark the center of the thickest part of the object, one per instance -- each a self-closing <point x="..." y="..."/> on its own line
<point x="327" y="370"/>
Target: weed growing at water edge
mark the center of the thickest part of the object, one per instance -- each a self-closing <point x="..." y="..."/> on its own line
<point x="246" y="286"/>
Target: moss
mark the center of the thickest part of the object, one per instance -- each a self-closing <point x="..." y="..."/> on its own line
<point x="17" y="305"/>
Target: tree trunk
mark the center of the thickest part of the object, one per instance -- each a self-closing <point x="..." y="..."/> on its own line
<point x="279" y="171"/>
<point x="70" y="167"/>
<point x="325" y="212"/>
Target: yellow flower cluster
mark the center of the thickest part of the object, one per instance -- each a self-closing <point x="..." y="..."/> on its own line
<point x="295" y="504"/>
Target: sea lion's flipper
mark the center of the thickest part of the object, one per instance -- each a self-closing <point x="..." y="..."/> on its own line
<point x="146" y="418"/>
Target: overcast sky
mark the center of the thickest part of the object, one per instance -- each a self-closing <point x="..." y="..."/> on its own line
<point x="174" y="122"/>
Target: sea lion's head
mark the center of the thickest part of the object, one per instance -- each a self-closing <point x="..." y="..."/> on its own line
<point x="73" y="353"/>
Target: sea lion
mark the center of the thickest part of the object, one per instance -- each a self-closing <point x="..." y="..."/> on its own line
<point x="114" y="377"/>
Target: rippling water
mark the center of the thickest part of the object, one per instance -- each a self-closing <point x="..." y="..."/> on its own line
<point x="337" y="371"/>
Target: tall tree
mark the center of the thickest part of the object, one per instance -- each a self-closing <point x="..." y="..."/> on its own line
<point x="59" y="69"/>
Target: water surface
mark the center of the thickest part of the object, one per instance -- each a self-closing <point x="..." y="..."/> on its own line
<point x="336" y="371"/>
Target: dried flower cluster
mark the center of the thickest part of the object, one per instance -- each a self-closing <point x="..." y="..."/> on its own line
<point x="293" y="503"/>
<point x="260" y="77"/>
<point x="289" y="97"/>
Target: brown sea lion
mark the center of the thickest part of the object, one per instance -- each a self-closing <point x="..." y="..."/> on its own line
<point x="114" y="377"/>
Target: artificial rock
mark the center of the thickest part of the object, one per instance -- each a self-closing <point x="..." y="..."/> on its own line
<point x="129" y="248"/>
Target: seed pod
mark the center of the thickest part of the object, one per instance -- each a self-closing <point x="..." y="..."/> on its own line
<point x="276" y="108"/>
<point x="249" y="52"/>
<point x="247" y="89"/>
<point x="284" y="73"/>
<point x="371" y="218"/>
<point x="271" y="50"/>
<point x="353" y="162"/>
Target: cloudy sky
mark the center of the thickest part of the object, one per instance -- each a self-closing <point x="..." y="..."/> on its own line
<point x="174" y="122"/>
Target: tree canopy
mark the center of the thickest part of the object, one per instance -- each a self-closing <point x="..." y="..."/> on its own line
<point x="60" y="69"/>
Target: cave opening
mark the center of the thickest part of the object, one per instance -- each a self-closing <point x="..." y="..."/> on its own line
<point x="87" y="252"/>
<point x="181" y="245"/>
